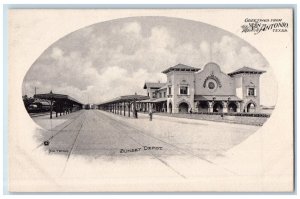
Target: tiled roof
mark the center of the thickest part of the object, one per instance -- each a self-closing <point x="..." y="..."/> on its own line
<point x="153" y="85"/>
<point x="246" y="70"/>
<point x="126" y="98"/>
<point x="55" y="96"/>
<point x="162" y="88"/>
<point x="181" y="67"/>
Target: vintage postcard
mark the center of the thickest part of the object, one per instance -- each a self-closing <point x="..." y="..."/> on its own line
<point x="150" y="100"/>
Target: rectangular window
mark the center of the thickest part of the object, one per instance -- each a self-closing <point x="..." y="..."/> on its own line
<point x="159" y="95"/>
<point x="170" y="91"/>
<point x="164" y="94"/>
<point x="251" y="92"/>
<point x="153" y="95"/>
<point x="183" y="90"/>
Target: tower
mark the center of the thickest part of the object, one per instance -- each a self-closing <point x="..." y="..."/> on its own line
<point x="180" y="88"/>
<point x="247" y="85"/>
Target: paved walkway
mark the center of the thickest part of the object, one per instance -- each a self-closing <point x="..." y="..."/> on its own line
<point x="163" y="142"/>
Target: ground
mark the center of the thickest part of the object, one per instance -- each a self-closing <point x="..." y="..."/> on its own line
<point x="95" y="134"/>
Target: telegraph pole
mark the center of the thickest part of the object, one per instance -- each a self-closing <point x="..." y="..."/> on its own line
<point x="35" y="90"/>
<point x="210" y="52"/>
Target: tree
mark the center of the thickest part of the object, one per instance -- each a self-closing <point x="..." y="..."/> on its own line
<point x="27" y="101"/>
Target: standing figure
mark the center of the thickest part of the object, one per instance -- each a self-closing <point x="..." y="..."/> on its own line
<point x="150" y="115"/>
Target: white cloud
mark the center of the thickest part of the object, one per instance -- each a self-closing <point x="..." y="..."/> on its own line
<point x="231" y="55"/>
<point x="57" y="53"/>
<point x="119" y="62"/>
<point x="160" y="39"/>
<point x="205" y="47"/>
<point x="131" y="27"/>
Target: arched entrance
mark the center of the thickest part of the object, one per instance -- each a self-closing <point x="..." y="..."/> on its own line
<point x="183" y="107"/>
<point x="164" y="107"/>
<point x="203" y="106"/>
<point x="170" y="107"/>
<point x="232" y="107"/>
<point x="251" y="107"/>
<point x="218" y="107"/>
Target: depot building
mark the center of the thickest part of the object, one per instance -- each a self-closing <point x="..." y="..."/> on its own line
<point x="208" y="90"/>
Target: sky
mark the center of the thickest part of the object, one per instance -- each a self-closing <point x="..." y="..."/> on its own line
<point x="109" y="59"/>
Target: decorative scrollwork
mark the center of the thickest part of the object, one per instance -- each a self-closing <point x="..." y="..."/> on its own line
<point x="212" y="76"/>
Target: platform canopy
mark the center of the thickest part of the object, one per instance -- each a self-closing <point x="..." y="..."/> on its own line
<point x="159" y="100"/>
<point x="126" y="98"/>
<point x="55" y="97"/>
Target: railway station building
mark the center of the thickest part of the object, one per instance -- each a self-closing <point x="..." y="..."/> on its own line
<point x="208" y="90"/>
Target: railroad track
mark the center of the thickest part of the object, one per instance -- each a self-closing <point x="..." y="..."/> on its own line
<point x="141" y="145"/>
<point x="173" y="146"/>
<point x="135" y="137"/>
<point x="59" y="131"/>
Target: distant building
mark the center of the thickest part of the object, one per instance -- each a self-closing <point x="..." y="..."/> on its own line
<point x="93" y="106"/>
<point x="208" y="90"/>
<point x="86" y="106"/>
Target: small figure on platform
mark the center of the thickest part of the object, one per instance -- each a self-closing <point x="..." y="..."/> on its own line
<point x="191" y="110"/>
<point x="150" y="115"/>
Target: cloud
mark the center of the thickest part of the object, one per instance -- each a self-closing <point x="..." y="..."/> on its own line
<point x="160" y="39"/>
<point x="116" y="81"/>
<point x="57" y="53"/>
<point x="154" y="52"/>
<point x="205" y="48"/>
<point x="231" y="54"/>
<point x="131" y="27"/>
<point x="97" y="65"/>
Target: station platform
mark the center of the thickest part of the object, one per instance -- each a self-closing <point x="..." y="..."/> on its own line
<point x="46" y="123"/>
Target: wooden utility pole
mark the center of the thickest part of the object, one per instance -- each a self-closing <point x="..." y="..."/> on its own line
<point x="35" y="90"/>
<point x="124" y="106"/>
<point x="51" y="104"/>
